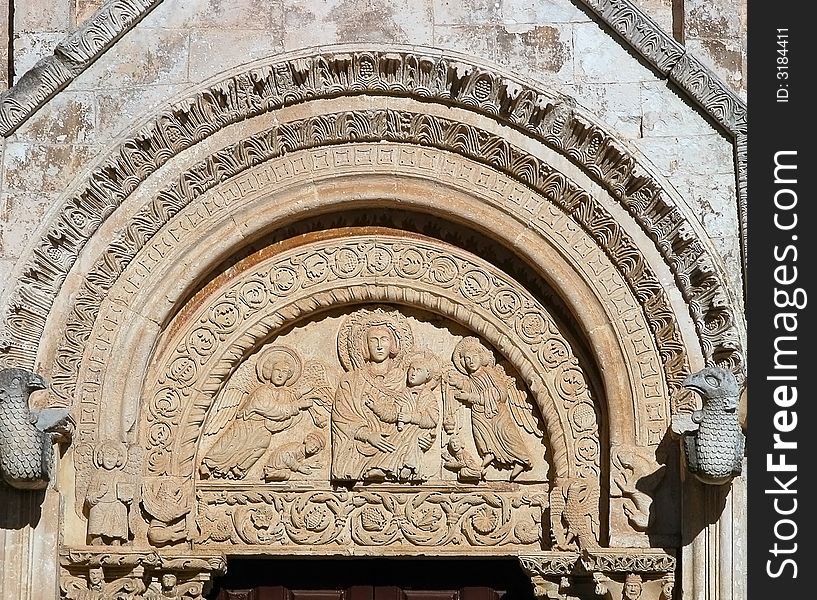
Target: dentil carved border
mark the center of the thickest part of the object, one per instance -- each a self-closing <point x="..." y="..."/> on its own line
<point x="265" y="88"/>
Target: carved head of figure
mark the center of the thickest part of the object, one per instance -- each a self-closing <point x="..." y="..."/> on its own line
<point x="280" y="366"/>
<point x="110" y="455"/>
<point x="96" y="578"/>
<point x="632" y="587"/>
<point x="169" y="581"/>
<point x="281" y="371"/>
<point x="381" y="344"/>
<point x="470" y="356"/>
<point x="422" y="368"/>
<point x="313" y="443"/>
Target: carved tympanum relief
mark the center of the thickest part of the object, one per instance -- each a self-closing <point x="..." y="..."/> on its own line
<point x="359" y="393"/>
<point x="397" y="395"/>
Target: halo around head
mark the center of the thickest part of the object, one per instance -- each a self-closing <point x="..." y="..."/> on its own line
<point x="471" y="344"/>
<point x="352" y="335"/>
<point x="277" y="353"/>
<point x="113" y="446"/>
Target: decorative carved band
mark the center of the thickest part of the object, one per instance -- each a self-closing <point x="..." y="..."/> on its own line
<point x="339" y="520"/>
<point x="624" y="560"/>
<point x="137" y="575"/>
<point x="428" y="77"/>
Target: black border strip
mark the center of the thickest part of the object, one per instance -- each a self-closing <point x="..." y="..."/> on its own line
<point x="780" y="300"/>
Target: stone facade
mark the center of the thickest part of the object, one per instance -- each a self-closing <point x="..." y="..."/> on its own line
<point x="365" y="278"/>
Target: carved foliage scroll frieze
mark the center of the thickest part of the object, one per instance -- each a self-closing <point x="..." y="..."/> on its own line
<point x="370" y="518"/>
<point x="386" y="269"/>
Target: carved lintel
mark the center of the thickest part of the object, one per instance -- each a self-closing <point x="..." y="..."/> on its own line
<point x="26" y="435"/>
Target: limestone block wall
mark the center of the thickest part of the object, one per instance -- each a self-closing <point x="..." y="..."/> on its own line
<point x="182" y="43"/>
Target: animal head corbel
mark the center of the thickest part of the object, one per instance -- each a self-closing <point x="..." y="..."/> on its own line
<point x="26" y="435"/>
<point x="713" y="439"/>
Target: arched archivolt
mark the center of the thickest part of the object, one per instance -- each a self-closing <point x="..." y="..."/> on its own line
<point x="636" y="369"/>
<point x="149" y="289"/>
<point x="544" y="119"/>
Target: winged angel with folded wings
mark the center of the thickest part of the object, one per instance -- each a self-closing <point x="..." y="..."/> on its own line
<point x="498" y="408"/>
<point x="263" y="397"/>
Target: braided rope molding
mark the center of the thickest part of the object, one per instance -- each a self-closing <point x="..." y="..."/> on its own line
<point x="545" y="119"/>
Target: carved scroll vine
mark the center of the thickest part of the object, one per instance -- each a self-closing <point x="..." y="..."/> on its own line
<point x="134" y="575"/>
<point x="375" y="126"/>
<point x="426" y="76"/>
<point x="441" y="520"/>
<point x="380" y="268"/>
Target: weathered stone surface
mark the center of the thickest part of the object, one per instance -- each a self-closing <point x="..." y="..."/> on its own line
<point x="29" y="47"/>
<point x="596" y="53"/>
<point x="541" y="12"/>
<point x="556" y="172"/>
<point x="342" y="21"/>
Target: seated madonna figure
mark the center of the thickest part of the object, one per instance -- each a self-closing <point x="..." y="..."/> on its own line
<point x="385" y="414"/>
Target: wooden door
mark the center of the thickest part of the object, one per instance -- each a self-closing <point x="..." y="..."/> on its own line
<point x="373" y="579"/>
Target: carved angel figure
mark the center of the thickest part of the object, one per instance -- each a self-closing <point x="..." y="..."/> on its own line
<point x="260" y="412"/>
<point x="386" y="406"/>
<point x="498" y="408"/>
<point x="109" y="496"/>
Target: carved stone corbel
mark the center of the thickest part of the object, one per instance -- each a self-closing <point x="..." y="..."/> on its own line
<point x="631" y="574"/>
<point x="551" y="574"/>
<point x="26" y="435"/>
<point x="712" y="437"/>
